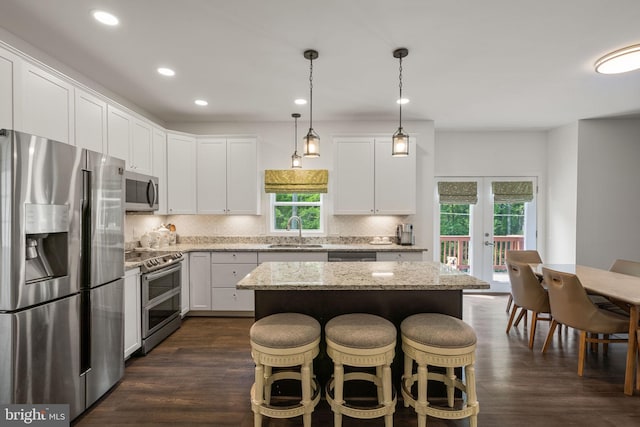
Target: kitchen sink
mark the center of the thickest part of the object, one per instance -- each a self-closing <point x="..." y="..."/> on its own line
<point x="294" y="246"/>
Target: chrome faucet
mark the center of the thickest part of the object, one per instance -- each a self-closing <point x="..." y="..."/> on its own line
<point x="297" y="218"/>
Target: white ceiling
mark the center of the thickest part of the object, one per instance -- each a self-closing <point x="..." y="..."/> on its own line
<point x="491" y="64"/>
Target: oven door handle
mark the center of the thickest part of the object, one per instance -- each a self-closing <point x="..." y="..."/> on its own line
<point x="161" y="273"/>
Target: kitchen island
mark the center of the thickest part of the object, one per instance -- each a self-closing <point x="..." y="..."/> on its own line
<point x="393" y="290"/>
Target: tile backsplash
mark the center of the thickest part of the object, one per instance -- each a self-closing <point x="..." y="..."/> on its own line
<point x="192" y="226"/>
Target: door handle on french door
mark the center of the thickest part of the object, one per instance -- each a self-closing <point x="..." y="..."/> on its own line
<point x="488" y="243"/>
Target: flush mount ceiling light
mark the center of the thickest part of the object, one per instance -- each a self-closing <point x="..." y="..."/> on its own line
<point x="619" y="61"/>
<point x="311" y="140"/>
<point x="296" y="159"/>
<point x="105" y="18"/>
<point x="300" y="101"/>
<point x="400" y="144"/>
<point x="166" y="71"/>
<point x="201" y="102"/>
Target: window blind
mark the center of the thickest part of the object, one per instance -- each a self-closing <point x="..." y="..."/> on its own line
<point x="512" y="191"/>
<point x="458" y="193"/>
<point x="296" y="180"/>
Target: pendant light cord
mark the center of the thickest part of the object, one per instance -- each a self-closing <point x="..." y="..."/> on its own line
<point x="400" y="86"/>
<point x="311" y="93"/>
<point x="295" y="136"/>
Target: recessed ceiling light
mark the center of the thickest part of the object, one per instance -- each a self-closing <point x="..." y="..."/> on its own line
<point x="300" y="101"/>
<point x="620" y="61"/>
<point x="166" y="71"/>
<point x="201" y="102"/>
<point x="105" y="18"/>
<point x="402" y="101"/>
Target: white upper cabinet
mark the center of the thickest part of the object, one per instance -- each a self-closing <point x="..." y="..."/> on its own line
<point x="370" y="181"/>
<point x="7" y="67"/>
<point x="227" y="176"/>
<point x="119" y="126"/>
<point x="159" y="167"/>
<point x="90" y="122"/>
<point x="140" y="149"/>
<point x="181" y="174"/>
<point x="43" y="103"/>
<point x="395" y="180"/>
<point x="242" y="176"/>
<point x="354" y="170"/>
<point x="212" y="176"/>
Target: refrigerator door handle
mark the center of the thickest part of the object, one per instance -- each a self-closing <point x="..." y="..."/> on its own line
<point x="85" y="275"/>
<point x="85" y="255"/>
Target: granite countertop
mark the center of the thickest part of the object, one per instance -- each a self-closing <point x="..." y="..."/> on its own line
<point x="427" y="275"/>
<point x="264" y="247"/>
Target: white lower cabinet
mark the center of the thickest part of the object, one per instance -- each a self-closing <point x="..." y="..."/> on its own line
<point x="200" y="281"/>
<point x="399" y="256"/>
<point x="132" y="312"/>
<point x="227" y="269"/>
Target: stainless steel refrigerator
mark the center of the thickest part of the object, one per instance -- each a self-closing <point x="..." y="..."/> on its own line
<point x="61" y="272"/>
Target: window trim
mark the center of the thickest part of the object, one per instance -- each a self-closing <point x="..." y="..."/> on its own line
<point x="294" y="232"/>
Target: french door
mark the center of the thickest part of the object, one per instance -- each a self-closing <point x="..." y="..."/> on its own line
<point x="479" y="219"/>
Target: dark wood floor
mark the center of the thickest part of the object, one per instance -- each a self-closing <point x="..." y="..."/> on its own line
<point x="202" y="374"/>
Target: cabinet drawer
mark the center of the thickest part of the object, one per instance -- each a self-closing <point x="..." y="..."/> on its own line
<point x="399" y="256"/>
<point x="234" y="257"/>
<point x="225" y="275"/>
<point x="232" y="299"/>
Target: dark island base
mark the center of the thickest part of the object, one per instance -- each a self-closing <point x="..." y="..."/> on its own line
<point x="392" y="305"/>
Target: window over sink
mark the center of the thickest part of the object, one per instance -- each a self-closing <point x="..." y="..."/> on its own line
<point x="306" y="206"/>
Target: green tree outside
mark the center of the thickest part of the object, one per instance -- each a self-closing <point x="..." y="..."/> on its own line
<point x="310" y="214"/>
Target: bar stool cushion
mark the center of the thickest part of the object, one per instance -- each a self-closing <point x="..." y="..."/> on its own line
<point x="285" y="330"/>
<point x="360" y="330"/>
<point x="438" y="330"/>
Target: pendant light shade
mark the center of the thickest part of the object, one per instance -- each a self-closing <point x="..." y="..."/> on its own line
<point x="296" y="159"/>
<point x="311" y="140"/>
<point x="400" y="140"/>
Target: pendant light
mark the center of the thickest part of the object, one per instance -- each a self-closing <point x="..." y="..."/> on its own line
<point x="296" y="159"/>
<point x="400" y="144"/>
<point x="311" y="140"/>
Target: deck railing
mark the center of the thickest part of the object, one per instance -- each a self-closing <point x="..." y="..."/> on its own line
<point x="454" y="250"/>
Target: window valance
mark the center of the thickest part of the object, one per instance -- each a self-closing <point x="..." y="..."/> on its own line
<point x="458" y="193"/>
<point x="296" y="180"/>
<point x="512" y="191"/>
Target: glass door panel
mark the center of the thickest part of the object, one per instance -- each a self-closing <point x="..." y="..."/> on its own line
<point x="475" y="237"/>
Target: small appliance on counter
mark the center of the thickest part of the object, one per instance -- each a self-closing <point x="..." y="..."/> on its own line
<point x="404" y="234"/>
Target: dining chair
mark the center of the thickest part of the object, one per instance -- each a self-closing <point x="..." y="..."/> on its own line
<point x="622" y="266"/>
<point x="528" y="294"/>
<point x="571" y="306"/>
<point x="528" y="256"/>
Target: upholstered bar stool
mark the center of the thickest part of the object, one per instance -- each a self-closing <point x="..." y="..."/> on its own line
<point x="432" y="339"/>
<point x="361" y="340"/>
<point x="284" y="340"/>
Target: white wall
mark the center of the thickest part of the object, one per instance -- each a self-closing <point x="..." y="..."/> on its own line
<point x="608" y="202"/>
<point x="562" y="187"/>
<point x="275" y="146"/>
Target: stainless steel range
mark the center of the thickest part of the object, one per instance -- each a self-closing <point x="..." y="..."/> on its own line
<point x="161" y="285"/>
<point x="153" y="260"/>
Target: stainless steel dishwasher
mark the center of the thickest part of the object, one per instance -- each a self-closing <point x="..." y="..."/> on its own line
<point x="348" y="256"/>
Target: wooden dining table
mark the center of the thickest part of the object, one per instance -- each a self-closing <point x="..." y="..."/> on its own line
<point x="616" y="286"/>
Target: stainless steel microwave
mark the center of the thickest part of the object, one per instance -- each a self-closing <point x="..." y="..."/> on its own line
<point x="141" y="192"/>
